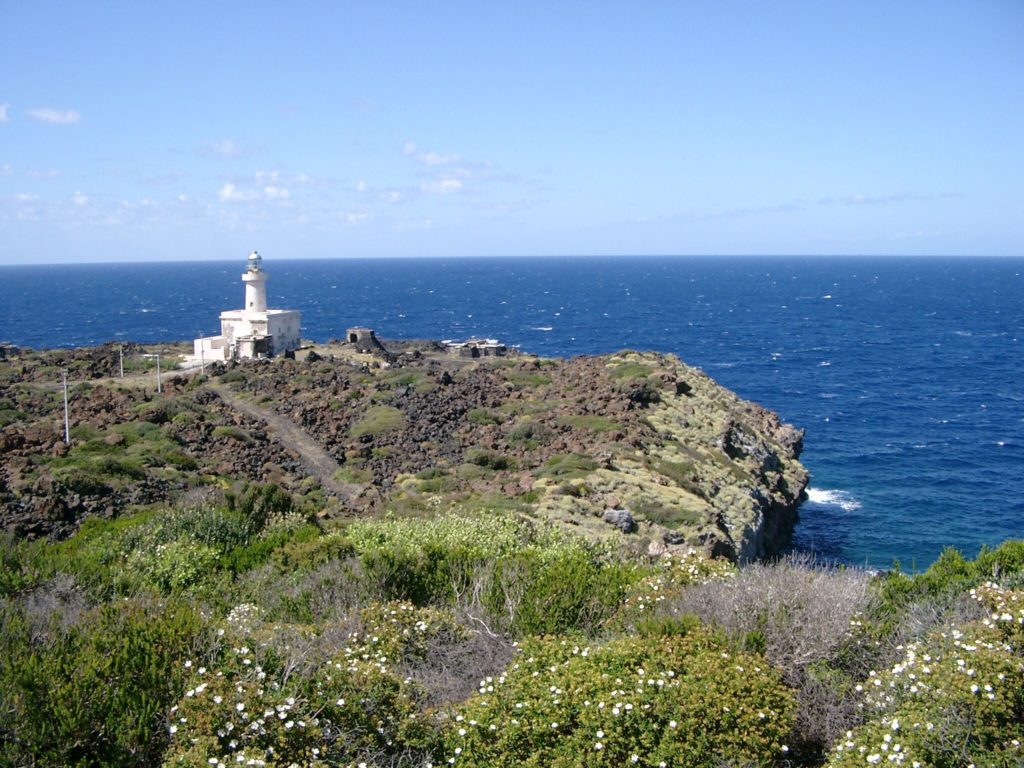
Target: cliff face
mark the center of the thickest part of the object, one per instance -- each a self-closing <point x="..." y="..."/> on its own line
<point x="632" y="446"/>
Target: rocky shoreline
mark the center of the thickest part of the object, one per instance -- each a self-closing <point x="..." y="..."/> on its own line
<point x="633" y="446"/>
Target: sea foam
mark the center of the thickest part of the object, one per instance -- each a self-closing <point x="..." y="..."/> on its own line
<point x="833" y="498"/>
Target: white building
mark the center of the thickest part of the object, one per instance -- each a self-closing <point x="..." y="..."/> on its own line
<point x="253" y="331"/>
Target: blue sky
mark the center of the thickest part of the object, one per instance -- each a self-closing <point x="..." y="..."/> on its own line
<point x="187" y="130"/>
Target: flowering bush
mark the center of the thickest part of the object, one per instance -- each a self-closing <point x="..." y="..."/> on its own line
<point x="255" y="706"/>
<point x="672" y="576"/>
<point x="954" y="699"/>
<point x="680" y="700"/>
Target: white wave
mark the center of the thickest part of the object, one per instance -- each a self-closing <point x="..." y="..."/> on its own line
<point x="833" y="498"/>
<point x="542" y="328"/>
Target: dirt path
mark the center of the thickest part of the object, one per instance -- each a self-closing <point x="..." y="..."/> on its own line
<point x="315" y="459"/>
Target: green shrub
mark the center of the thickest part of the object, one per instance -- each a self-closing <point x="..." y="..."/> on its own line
<point x="526" y="578"/>
<point x="956" y="698"/>
<point x="233" y="433"/>
<point x="234" y="376"/>
<point x="567" y="466"/>
<point x="252" y="703"/>
<point x="629" y="370"/>
<point x="483" y="416"/>
<point x="950" y="575"/>
<point x="488" y="459"/>
<point x="377" y="420"/>
<point x="97" y="695"/>
<point x="174" y="565"/>
<point x="529" y="434"/>
<point x="527" y="379"/>
<point x="684" y="699"/>
<point x="593" y="423"/>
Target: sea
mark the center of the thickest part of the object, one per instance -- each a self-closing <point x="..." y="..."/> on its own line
<point x="906" y="373"/>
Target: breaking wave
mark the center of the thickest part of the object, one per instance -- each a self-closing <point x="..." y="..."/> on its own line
<point x="833" y="498"/>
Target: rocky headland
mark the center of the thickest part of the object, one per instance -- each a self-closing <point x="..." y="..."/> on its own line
<point x="633" y="445"/>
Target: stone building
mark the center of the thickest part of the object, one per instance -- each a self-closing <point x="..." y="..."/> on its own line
<point x="254" y="330"/>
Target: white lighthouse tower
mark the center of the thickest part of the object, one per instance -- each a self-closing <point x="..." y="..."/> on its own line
<point x="255" y="280"/>
<point x="254" y="330"/>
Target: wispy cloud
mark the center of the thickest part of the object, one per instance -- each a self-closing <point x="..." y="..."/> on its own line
<point x="224" y="149"/>
<point x="53" y="116"/>
<point x="232" y="193"/>
<point x="48" y="173"/>
<point x="229" y="193"/>
<point x="897" y="197"/>
<point x="80" y="199"/>
<point x="442" y="186"/>
<point x="3" y="113"/>
<point x="6" y="170"/>
<point x="275" y="193"/>
<point x="434" y="159"/>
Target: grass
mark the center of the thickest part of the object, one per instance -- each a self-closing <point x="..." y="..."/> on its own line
<point x="673" y="518"/>
<point x="567" y="466"/>
<point x="526" y="379"/>
<point x="630" y="370"/>
<point x="378" y="420"/>
<point x="593" y="423"/>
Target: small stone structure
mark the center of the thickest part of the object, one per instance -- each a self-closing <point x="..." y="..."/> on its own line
<point x="364" y="340"/>
<point x="477" y="348"/>
<point x="253" y="331"/>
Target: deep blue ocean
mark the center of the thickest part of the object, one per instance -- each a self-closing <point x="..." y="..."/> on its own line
<point x="908" y="374"/>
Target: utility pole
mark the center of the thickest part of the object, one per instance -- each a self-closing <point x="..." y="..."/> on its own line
<point x="67" y="424"/>
<point x="120" y="359"/>
<point x="159" y="386"/>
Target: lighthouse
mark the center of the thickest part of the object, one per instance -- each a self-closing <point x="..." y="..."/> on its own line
<point x="253" y="330"/>
<point x="255" y="280"/>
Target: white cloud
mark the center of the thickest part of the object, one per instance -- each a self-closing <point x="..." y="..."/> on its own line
<point x="409" y="148"/>
<point x="433" y="158"/>
<point x="360" y="186"/>
<point x="6" y="170"/>
<point x="225" y="148"/>
<point x="442" y="186"/>
<point x="80" y="199"/>
<point x="54" y="116"/>
<point x="21" y="197"/>
<point x="49" y="173"/>
<point x="229" y="193"/>
<point x="393" y="196"/>
<point x="3" y="113"/>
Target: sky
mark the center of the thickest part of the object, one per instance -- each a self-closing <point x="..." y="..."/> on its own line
<point x="201" y="130"/>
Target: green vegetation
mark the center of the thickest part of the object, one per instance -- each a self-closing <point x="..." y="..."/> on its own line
<point x="235" y="629"/>
<point x="593" y="423"/>
<point x="377" y="420"/>
<point x="567" y="467"/>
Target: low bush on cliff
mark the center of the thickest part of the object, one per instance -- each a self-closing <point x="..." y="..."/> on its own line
<point x="682" y="698"/>
<point x="954" y="698"/>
